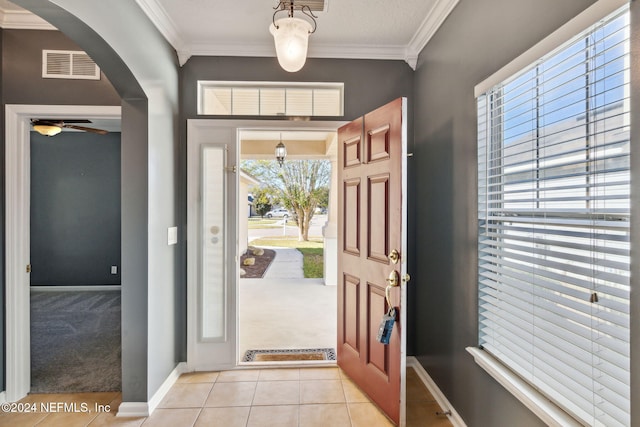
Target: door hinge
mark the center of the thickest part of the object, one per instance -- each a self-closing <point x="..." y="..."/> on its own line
<point x="28" y="268"/>
<point x="233" y="169"/>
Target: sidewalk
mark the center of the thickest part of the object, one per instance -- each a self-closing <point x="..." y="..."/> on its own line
<point x="284" y="310"/>
<point x="287" y="264"/>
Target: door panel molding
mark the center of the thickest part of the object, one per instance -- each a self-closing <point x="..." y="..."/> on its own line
<point x="381" y="205"/>
<point x="351" y="217"/>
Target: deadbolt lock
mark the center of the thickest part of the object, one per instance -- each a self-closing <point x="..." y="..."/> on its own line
<point x="394" y="256"/>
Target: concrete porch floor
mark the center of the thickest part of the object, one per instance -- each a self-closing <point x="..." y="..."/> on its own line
<point x="287" y="313"/>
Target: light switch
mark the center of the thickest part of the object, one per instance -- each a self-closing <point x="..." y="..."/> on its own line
<point x="172" y="236"/>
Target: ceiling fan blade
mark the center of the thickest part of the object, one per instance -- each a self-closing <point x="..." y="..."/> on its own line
<point x="86" y="129"/>
<point x="36" y="122"/>
<point x="65" y="120"/>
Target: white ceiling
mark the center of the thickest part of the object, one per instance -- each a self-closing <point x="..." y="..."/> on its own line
<point x="363" y="29"/>
<point x="359" y="29"/>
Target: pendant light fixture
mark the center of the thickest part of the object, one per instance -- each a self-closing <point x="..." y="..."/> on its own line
<point x="47" y="129"/>
<point x="291" y="35"/>
<point x="281" y="152"/>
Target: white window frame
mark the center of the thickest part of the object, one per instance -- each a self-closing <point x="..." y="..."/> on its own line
<point x="538" y="403"/>
<point x="203" y="85"/>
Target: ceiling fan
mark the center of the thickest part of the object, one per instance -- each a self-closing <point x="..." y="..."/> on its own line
<point x="51" y="127"/>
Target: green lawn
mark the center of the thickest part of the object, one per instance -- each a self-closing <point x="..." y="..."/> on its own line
<point x="288" y="242"/>
<point x="313" y="262"/>
<point x="312" y="252"/>
<point x="264" y="223"/>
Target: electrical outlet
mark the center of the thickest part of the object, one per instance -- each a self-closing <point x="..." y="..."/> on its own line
<point x="114" y="269"/>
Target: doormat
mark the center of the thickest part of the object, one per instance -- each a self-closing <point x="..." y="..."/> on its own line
<point x="289" y="355"/>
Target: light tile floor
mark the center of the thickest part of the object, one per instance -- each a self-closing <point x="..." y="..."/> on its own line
<point x="246" y="398"/>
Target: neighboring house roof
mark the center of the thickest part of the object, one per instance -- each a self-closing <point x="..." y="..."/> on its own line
<point x="248" y="179"/>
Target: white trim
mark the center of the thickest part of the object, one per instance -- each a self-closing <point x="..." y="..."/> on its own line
<point x="163" y="22"/>
<point x="17" y="19"/>
<point x="434" y="19"/>
<point x="546" y="410"/>
<point x="316" y="50"/>
<point x="17" y="252"/>
<point x="145" y="409"/>
<point x="201" y="131"/>
<point x="133" y="409"/>
<point x="23" y="20"/>
<point x="3" y="397"/>
<point x="435" y="391"/>
<point x="409" y="53"/>
<point x="18" y="359"/>
<point x="180" y="369"/>
<point x="581" y="22"/>
<point x="76" y="288"/>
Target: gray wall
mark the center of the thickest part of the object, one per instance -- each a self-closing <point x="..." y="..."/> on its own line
<point x="368" y="84"/>
<point x="477" y="39"/>
<point x="21" y="83"/>
<point x="75" y="209"/>
<point x="145" y="75"/>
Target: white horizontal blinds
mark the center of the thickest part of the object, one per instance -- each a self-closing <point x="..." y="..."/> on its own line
<point x="553" y="209"/>
<point x="270" y="99"/>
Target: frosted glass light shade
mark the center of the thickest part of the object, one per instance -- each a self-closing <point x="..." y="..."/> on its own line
<point x="47" y="130"/>
<point x="291" y="39"/>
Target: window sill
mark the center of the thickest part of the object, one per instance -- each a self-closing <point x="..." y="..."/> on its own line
<point x="546" y="410"/>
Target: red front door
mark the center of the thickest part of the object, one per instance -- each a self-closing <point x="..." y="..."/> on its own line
<point x="372" y="224"/>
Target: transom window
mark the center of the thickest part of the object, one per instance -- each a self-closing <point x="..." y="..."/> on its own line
<point x="553" y="212"/>
<point x="270" y="99"/>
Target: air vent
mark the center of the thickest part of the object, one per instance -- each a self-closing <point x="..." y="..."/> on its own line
<point x="314" y="5"/>
<point x="68" y="64"/>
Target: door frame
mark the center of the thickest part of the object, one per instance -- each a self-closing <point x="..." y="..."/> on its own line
<point x="194" y="126"/>
<point x="17" y="231"/>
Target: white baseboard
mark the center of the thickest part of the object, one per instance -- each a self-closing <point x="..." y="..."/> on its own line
<point x="144" y="409"/>
<point x="435" y="391"/>
<point x="133" y="409"/>
<point x="3" y="397"/>
<point x="166" y="386"/>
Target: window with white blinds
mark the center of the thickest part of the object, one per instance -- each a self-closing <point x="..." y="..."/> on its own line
<point x="223" y="98"/>
<point x="553" y="212"/>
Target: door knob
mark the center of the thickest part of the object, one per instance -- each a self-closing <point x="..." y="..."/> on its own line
<point x="393" y="278"/>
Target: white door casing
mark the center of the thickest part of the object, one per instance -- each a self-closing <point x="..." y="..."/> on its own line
<point x="17" y="226"/>
<point x="216" y="353"/>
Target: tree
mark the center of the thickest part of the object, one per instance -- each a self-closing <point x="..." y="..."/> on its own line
<point x="301" y="184"/>
<point x="262" y="200"/>
<point x="323" y="198"/>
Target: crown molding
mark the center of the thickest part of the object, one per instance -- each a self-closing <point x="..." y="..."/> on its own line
<point x="23" y="20"/>
<point x="337" y="51"/>
<point x="163" y="22"/>
<point x="434" y="19"/>
<point x="409" y="53"/>
<point x="10" y="19"/>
